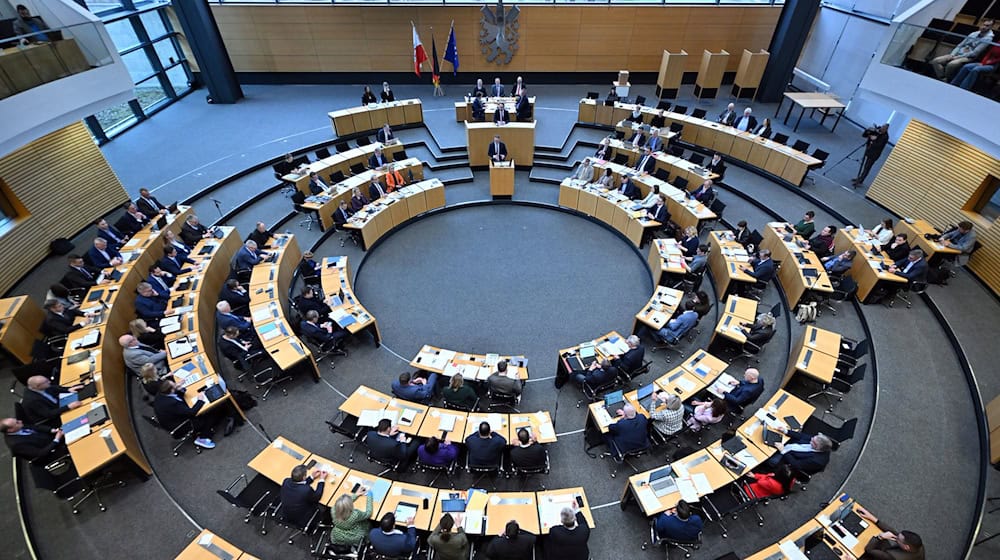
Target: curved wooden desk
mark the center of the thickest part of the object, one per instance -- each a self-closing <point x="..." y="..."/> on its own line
<point x="473" y="367"/>
<point x="725" y="257"/>
<point x="20" y="319"/>
<point x="209" y="546"/>
<point x="463" y="109"/>
<point x="341" y="162"/>
<point x="518" y="136"/>
<point x="335" y="279"/>
<point x="867" y="268"/>
<point x="370" y="117"/>
<point x="326" y="204"/>
<point x="379" y="217"/>
<point x="837" y="527"/>
<point x="609" y="206"/>
<point x="801" y="270"/>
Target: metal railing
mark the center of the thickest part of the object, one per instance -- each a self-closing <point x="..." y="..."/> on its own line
<point x="481" y="2"/>
<point x="44" y="56"/>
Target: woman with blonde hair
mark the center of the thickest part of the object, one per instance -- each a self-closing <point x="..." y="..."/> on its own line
<point x="460" y="394"/>
<point x="350" y="525"/>
<point x="151" y="378"/>
<point x="146" y="334"/>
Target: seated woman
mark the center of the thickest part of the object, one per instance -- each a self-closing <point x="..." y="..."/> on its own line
<point x="690" y="242"/>
<point x="368" y="97"/>
<point x="350" y="525"/>
<point x="702" y="303"/>
<point x="707" y="412"/>
<point x="607" y="180"/>
<point x="358" y="200"/>
<point x="604" y="149"/>
<point x="766" y="485"/>
<point x="669" y="419"/>
<point x="759" y="331"/>
<point x="651" y="198"/>
<point x="436" y="452"/>
<point x="882" y="232"/>
<point x="145" y="334"/>
<point x="151" y="379"/>
<point x="459" y="394"/>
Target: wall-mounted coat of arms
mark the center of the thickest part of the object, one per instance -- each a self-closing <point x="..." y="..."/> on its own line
<point x="498" y="35"/>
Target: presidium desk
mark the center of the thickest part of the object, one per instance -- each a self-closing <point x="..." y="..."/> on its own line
<point x="518" y="136"/>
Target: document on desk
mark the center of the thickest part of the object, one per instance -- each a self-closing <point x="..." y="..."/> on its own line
<point x="721" y="385"/>
<point x="474" y="521"/>
<point x="602" y="416"/>
<point x="685" y="384"/>
<point x="371" y="418"/>
<point x="260" y="314"/>
<point x="791" y="551"/>
<point x="179" y="347"/>
<point x="270" y="331"/>
<point x="701" y="484"/>
<point x="545" y="428"/>
<point x="447" y="422"/>
<point x="687" y="489"/>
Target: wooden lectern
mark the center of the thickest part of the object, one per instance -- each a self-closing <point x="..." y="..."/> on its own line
<point x="713" y="66"/>
<point x="502" y="179"/>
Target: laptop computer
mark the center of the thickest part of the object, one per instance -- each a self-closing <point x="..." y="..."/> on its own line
<point x="771" y="437"/>
<point x="88" y="391"/>
<point x="452" y="506"/>
<point x="160" y="224"/>
<point x="214" y="393"/>
<point x="661" y="482"/>
<point x="645" y="396"/>
<point x="614" y="401"/>
<point x="97" y="416"/>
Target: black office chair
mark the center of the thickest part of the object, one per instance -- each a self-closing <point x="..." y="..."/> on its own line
<point x="698" y="113"/>
<point x="663" y="105"/>
<point x="499" y="399"/>
<point x="593" y="394"/>
<point x="620" y="159"/>
<point x="446" y="470"/>
<point x="680" y="109"/>
<point x="266" y="378"/>
<point x="391" y="464"/>
<point x="347" y="425"/>
<point x="625" y="377"/>
<point x="496" y="470"/>
<point x="676" y="128"/>
<point x="619" y="135"/>
<point x="728" y="501"/>
<point x="298" y="199"/>
<point x="844" y="289"/>
<point x="822" y="157"/>
<point x="780" y="138"/>
<point x="341" y="147"/>
<point x="845" y="382"/>
<point x="624" y="458"/>
<point x="336" y="177"/>
<point x="718" y="208"/>
<point x="459" y="407"/>
<point x="800" y="146"/>
<point x="181" y="434"/>
<point x="640" y="100"/>
<point x="662" y="175"/>
<point x="680" y="182"/>
<point x="399" y="155"/>
<point x="255" y="496"/>
<point x="657" y="541"/>
<point x="524" y="472"/>
<point x="326" y="550"/>
<point x="751" y="351"/>
<point x="754" y="241"/>
<point x="593" y="95"/>
<point x="322" y="153"/>
<point x="323" y="350"/>
<point x="357" y="168"/>
<point x="918" y="287"/>
<point x="363" y="141"/>
<point x="296" y="529"/>
<point x="696" y="159"/>
<point x="816" y="425"/>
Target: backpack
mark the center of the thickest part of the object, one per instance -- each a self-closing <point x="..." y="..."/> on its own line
<point x="939" y="276"/>
<point x="806" y="313"/>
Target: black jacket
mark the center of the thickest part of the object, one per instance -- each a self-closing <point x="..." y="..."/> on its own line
<point x="40" y="410"/>
<point x="568" y="544"/>
<point x="56" y="324"/>
<point x="518" y="548"/>
<point x="298" y="501"/>
<point x="31" y="446"/>
<point x="171" y="412"/>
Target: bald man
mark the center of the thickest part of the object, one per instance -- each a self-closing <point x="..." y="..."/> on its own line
<point x="746" y="391"/>
<point x="41" y="401"/>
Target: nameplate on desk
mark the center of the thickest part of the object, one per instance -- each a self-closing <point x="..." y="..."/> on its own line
<point x="781" y="400"/>
<point x="109" y="440"/>
<point x="511" y="501"/>
<point x="288" y="451"/>
<point x="214" y="549"/>
<point x="808" y="357"/>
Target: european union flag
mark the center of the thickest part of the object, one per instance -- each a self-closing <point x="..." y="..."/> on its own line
<point x="451" y="51"/>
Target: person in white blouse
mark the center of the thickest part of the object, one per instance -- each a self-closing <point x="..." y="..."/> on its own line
<point x="586" y="171"/>
<point x="883" y="231"/>
<point x="651" y="198"/>
<point x="607" y="180"/>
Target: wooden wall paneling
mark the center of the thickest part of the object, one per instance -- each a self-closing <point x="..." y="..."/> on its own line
<point x="914" y="183"/>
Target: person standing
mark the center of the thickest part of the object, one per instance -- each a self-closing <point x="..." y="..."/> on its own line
<point x="876" y="137"/>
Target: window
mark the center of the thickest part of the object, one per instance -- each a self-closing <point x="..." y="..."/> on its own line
<point x="985" y="202"/>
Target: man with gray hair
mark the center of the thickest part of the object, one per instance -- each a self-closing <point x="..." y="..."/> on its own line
<point x="137" y="355"/>
<point x="192" y="231"/>
<point x="668" y="419"/>
<point x="802" y="452"/>
<point x="913" y="267"/>
<point x="631" y="360"/>
<point x="248" y="256"/>
<point x="151" y="305"/>
<point x="746" y="391"/>
<point x="568" y="540"/>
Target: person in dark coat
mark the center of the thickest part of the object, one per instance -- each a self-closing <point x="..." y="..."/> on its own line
<point x="298" y="498"/>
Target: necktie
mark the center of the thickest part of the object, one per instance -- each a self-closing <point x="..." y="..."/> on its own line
<point x="85" y="273"/>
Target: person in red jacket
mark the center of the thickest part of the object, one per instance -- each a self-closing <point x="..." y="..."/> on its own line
<point x="766" y="485"/>
<point x="967" y="76"/>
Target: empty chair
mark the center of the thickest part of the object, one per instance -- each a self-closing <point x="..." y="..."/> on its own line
<point x="662" y="175"/>
<point x="696" y="159"/>
<point x="363" y="141"/>
<point x="298" y="199"/>
<point x="663" y="105"/>
<point x="593" y="95"/>
<point x="256" y="496"/>
<point x="800" y="146"/>
<point x="399" y="156"/>
<point x="681" y="109"/>
<point x="341" y="147"/>
<point x="357" y="168"/>
<point x="676" y="128"/>
<point x="336" y="177"/>
<point x="680" y="182"/>
<point x="822" y="157"/>
<point x="621" y="159"/>
<point x="698" y="113"/>
<point x="816" y="425"/>
<point x="676" y="151"/>
<point x="640" y="100"/>
<point x="322" y="153"/>
<point x="780" y="138"/>
<point x="717" y="207"/>
<point x="845" y="383"/>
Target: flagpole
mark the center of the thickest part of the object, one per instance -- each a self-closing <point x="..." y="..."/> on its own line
<point x="435" y="68"/>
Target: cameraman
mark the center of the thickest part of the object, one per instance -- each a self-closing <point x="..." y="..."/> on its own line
<point x="876" y="137"/>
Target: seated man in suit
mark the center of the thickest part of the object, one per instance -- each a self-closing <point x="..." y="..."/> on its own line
<point x="480" y="89"/>
<point x="513" y="544"/>
<point x="500" y="382"/>
<point x="389" y="541"/>
<point x="646" y="163"/>
<point x="497" y="151"/>
<point x="160" y="280"/>
<point x="148" y="205"/>
<point x="654" y="143"/>
<point x="746" y="122"/>
<point x="597" y="375"/>
<point x="30" y="442"/>
<point x="841" y="263"/>
<point x="224" y="317"/>
<point x="172" y="410"/>
<point x="703" y="194"/>
<point x="629" y="433"/>
<point x="741" y="234"/>
<point x="386" y="443"/>
<point x="822" y="243"/>
<point x="659" y="213"/>
<point x="485" y="447"/>
<point x="629" y="189"/>
<point x="378" y="159"/>
<point x="236" y="296"/>
<point x="728" y="116"/>
<point x="27" y="24"/>
<point x="81" y="276"/>
<point x="679" y="523"/>
<point x="527" y="453"/>
<point x="151" y="305"/>
<point x="376" y="190"/>
<point x="132" y="221"/>
<point x="523" y="107"/>
<point x="102" y="255"/>
<point x="248" y="256"/>
<point x="232" y="347"/>
<point x="170" y="240"/>
<point x="261" y="235"/>
<point x="478" y="108"/>
<point x="746" y="390"/>
<point x="679" y="325"/>
<point x="173" y="262"/>
<point x="891" y="544"/>
<point x="638" y="139"/>
<point x="41" y="401"/>
<point x="762" y="267"/>
<point x="316" y="184"/>
<point x="961" y="238"/>
<point x="631" y="360"/>
<point x="136" y="354"/>
<point x="716" y="165"/>
<point x="58" y="319"/>
<point x="327" y="335"/>
<point x="342" y="214"/>
<point x="307" y="301"/>
<point x="112" y="235"/>
<point x="501" y="116"/>
<point x="802" y="452"/>
<point x="298" y="498"/>
<point x="913" y="267"/>
<point x="497" y="89"/>
<point x="193" y="231"/>
<point x="384" y="134"/>
<point x="416" y="389"/>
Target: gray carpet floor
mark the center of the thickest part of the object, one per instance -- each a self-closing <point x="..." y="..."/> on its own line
<point x="577" y="281"/>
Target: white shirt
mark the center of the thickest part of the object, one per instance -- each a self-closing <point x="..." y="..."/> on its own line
<point x="744" y="123"/>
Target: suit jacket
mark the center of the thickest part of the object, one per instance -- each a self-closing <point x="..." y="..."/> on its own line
<point x="603" y="152"/>
<point x="316" y="186"/>
<point x="742" y="237"/>
<point x="727" y="117"/>
<point x="358" y="202"/>
<point x="531" y="456"/>
<point x="164" y="288"/>
<point x="485" y="451"/>
<point x="877" y="549"/>
<point x="113" y="236"/>
<point x="298" y="500"/>
<point x="629" y="189"/>
<point x="917" y="272"/>
<point x="719" y="168"/>
<point x="394" y="544"/>
<point x="386" y="447"/>
<point x="316" y="304"/>
<point x="40" y="410"/>
<point x="245" y="259"/>
<point x="638" y="138"/>
<point x="632" y="360"/>
<point x="375" y="192"/>
<point x="654" y="143"/>
<point x="660" y="213"/>
<point x="316" y="333"/>
<point x="172" y="412"/>
<point x="75" y="278"/>
<point x="368" y="97"/>
<point x="496" y="90"/>
<point x="481" y="90"/>
<point x="57" y="324"/>
<point x="150" y="307"/>
<point x="192" y="235"/>
<point x="174" y="265"/>
<point x="382" y="137"/>
<point x="307" y="267"/>
<point x="340" y="216"/>
<point x="502" y="548"/>
<point x="764" y="131"/>
<point x="236" y="299"/>
<point x="629" y="434"/>
<point x="224" y="321"/>
<point x="137" y="356"/>
<point x="260" y="238"/>
<point x="387" y="95"/>
<point x="232" y="349"/>
<point x="763" y="271"/>
<point x="478" y="109"/>
<point x="128" y="224"/>
<point x="745" y="393"/>
<point x="645" y="164"/>
<point x="808" y="462"/>
<point x="568" y="544"/>
<point x="150" y="207"/>
<point x="701" y="194"/>
<point x="501" y="114"/>
<point x="897" y="254"/>
<point x="37" y="444"/>
<point x="504" y="384"/>
<point x="751" y="125"/>
<point x="492" y="150"/>
<point x="375" y="161"/>
<point x="523" y="108"/>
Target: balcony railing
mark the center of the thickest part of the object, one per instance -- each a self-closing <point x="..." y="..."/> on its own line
<point x="27" y="61"/>
<point x="478" y="2"/>
<point x="951" y="57"/>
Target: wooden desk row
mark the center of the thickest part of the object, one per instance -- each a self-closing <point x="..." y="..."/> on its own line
<point x="485" y="514"/>
<point x="421" y="420"/>
<point x="341" y="162"/>
<point x="463" y="109"/>
<point x="472" y="367"/>
<point x="373" y="116"/>
<point x="518" y="136"/>
<point x="326" y="204"/>
<point x="659" y="309"/>
<point x="20" y="320"/>
<point x="209" y="546"/>
<point x="335" y="279"/>
<point x="915" y="231"/>
<point x="380" y="216"/>
<point x="115" y="439"/>
<point x="801" y="269"/>
<point x="22" y="68"/>
<point x="815" y="355"/>
<point x="269" y="285"/>
<point x="725" y="257"/>
<point x="705" y="471"/>
<point x="609" y="206"/>
<point x="666" y="259"/>
<point x="837" y="528"/>
<point x="868" y="269"/>
<point x="775" y="158"/>
<point x="735" y="311"/>
<point x="582" y="355"/>
<point x="674" y="166"/>
<point x="684" y="211"/>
